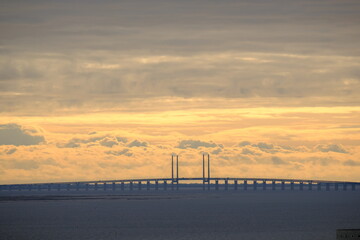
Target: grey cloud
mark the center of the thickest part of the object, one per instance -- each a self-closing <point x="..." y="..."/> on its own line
<point x="108" y="142"/>
<point x="244" y="143"/>
<point x="70" y="144"/>
<point x="247" y="151"/>
<point x="263" y="145"/>
<point x="331" y="148"/>
<point x="124" y="152"/>
<point x="122" y="139"/>
<point x="29" y="164"/>
<point x="323" y="161"/>
<point x="13" y="134"/>
<point x="277" y="161"/>
<point x="216" y="151"/>
<point x="267" y="147"/>
<point x="351" y="163"/>
<point x="237" y="49"/>
<point x="11" y="151"/>
<point x="195" y="144"/>
<point x="24" y="164"/>
<point x="137" y="143"/>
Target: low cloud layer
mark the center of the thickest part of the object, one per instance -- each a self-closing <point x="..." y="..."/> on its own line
<point x="102" y="155"/>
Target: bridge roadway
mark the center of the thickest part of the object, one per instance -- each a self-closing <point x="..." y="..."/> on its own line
<point x="188" y="183"/>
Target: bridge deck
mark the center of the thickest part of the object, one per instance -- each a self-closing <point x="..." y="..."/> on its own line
<point x="227" y="179"/>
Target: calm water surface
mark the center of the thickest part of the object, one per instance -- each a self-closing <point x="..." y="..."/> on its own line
<point x="245" y="215"/>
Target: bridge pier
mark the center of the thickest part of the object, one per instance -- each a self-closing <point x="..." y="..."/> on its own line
<point x="86" y="187"/>
<point x="273" y="185"/>
<point x="156" y="185"/>
<point x="353" y="187"/>
<point x="122" y="186"/>
<point x="301" y="186"/>
<point x="235" y="184"/>
<point x="139" y="185"/>
<point x="77" y="186"/>
<point x="282" y="185"/>
<point x="336" y="186"/>
<point x="264" y="185"/>
<point x="113" y="186"/>
<point x="344" y="186"/>
<point x="327" y="186"/>
<point x="131" y="185"/>
<point x="310" y="186"/>
<point x="216" y="184"/>
<point x="319" y="186"/>
<point x="292" y="185"/>
<point x="96" y="186"/>
<point x="148" y="185"/>
<point x="104" y="186"/>
<point x="245" y="185"/>
<point x="255" y="185"/>
<point x="165" y="185"/>
<point x="226" y="184"/>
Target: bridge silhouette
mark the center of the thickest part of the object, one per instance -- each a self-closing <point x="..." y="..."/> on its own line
<point x="206" y="182"/>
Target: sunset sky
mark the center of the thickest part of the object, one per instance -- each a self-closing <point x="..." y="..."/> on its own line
<point x="94" y="90"/>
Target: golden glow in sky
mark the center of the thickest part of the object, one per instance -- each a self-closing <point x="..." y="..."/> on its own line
<point x="110" y="90"/>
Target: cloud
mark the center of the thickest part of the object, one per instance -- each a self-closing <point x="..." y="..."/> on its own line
<point x="247" y="151"/>
<point x="122" y="139"/>
<point x="244" y="143"/>
<point x="216" y="151"/>
<point x="29" y="164"/>
<point x="263" y="145"/>
<point x="124" y="152"/>
<point x="254" y="148"/>
<point x="351" y="163"/>
<point x="277" y="160"/>
<point x="331" y="148"/>
<point x="137" y="143"/>
<point x="184" y="144"/>
<point x="108" y="142"/>
<point x="14" y="134"/>
<point x="11" y="151"/>
<point x="154" y="60"/>
<point x="70" y="144"/>
<point x="24" y="164"/>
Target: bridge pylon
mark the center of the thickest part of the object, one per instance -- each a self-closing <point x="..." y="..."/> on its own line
<point x="175" y="179"/>
<point x="206" y="178"/>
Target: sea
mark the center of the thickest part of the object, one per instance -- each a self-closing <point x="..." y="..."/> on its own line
<point x="175" y="215"/>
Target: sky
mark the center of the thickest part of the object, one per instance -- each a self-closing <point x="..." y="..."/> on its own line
<point x="95" y="90"/>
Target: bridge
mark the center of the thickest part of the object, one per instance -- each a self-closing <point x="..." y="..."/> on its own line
<point x="206" y="182"/>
